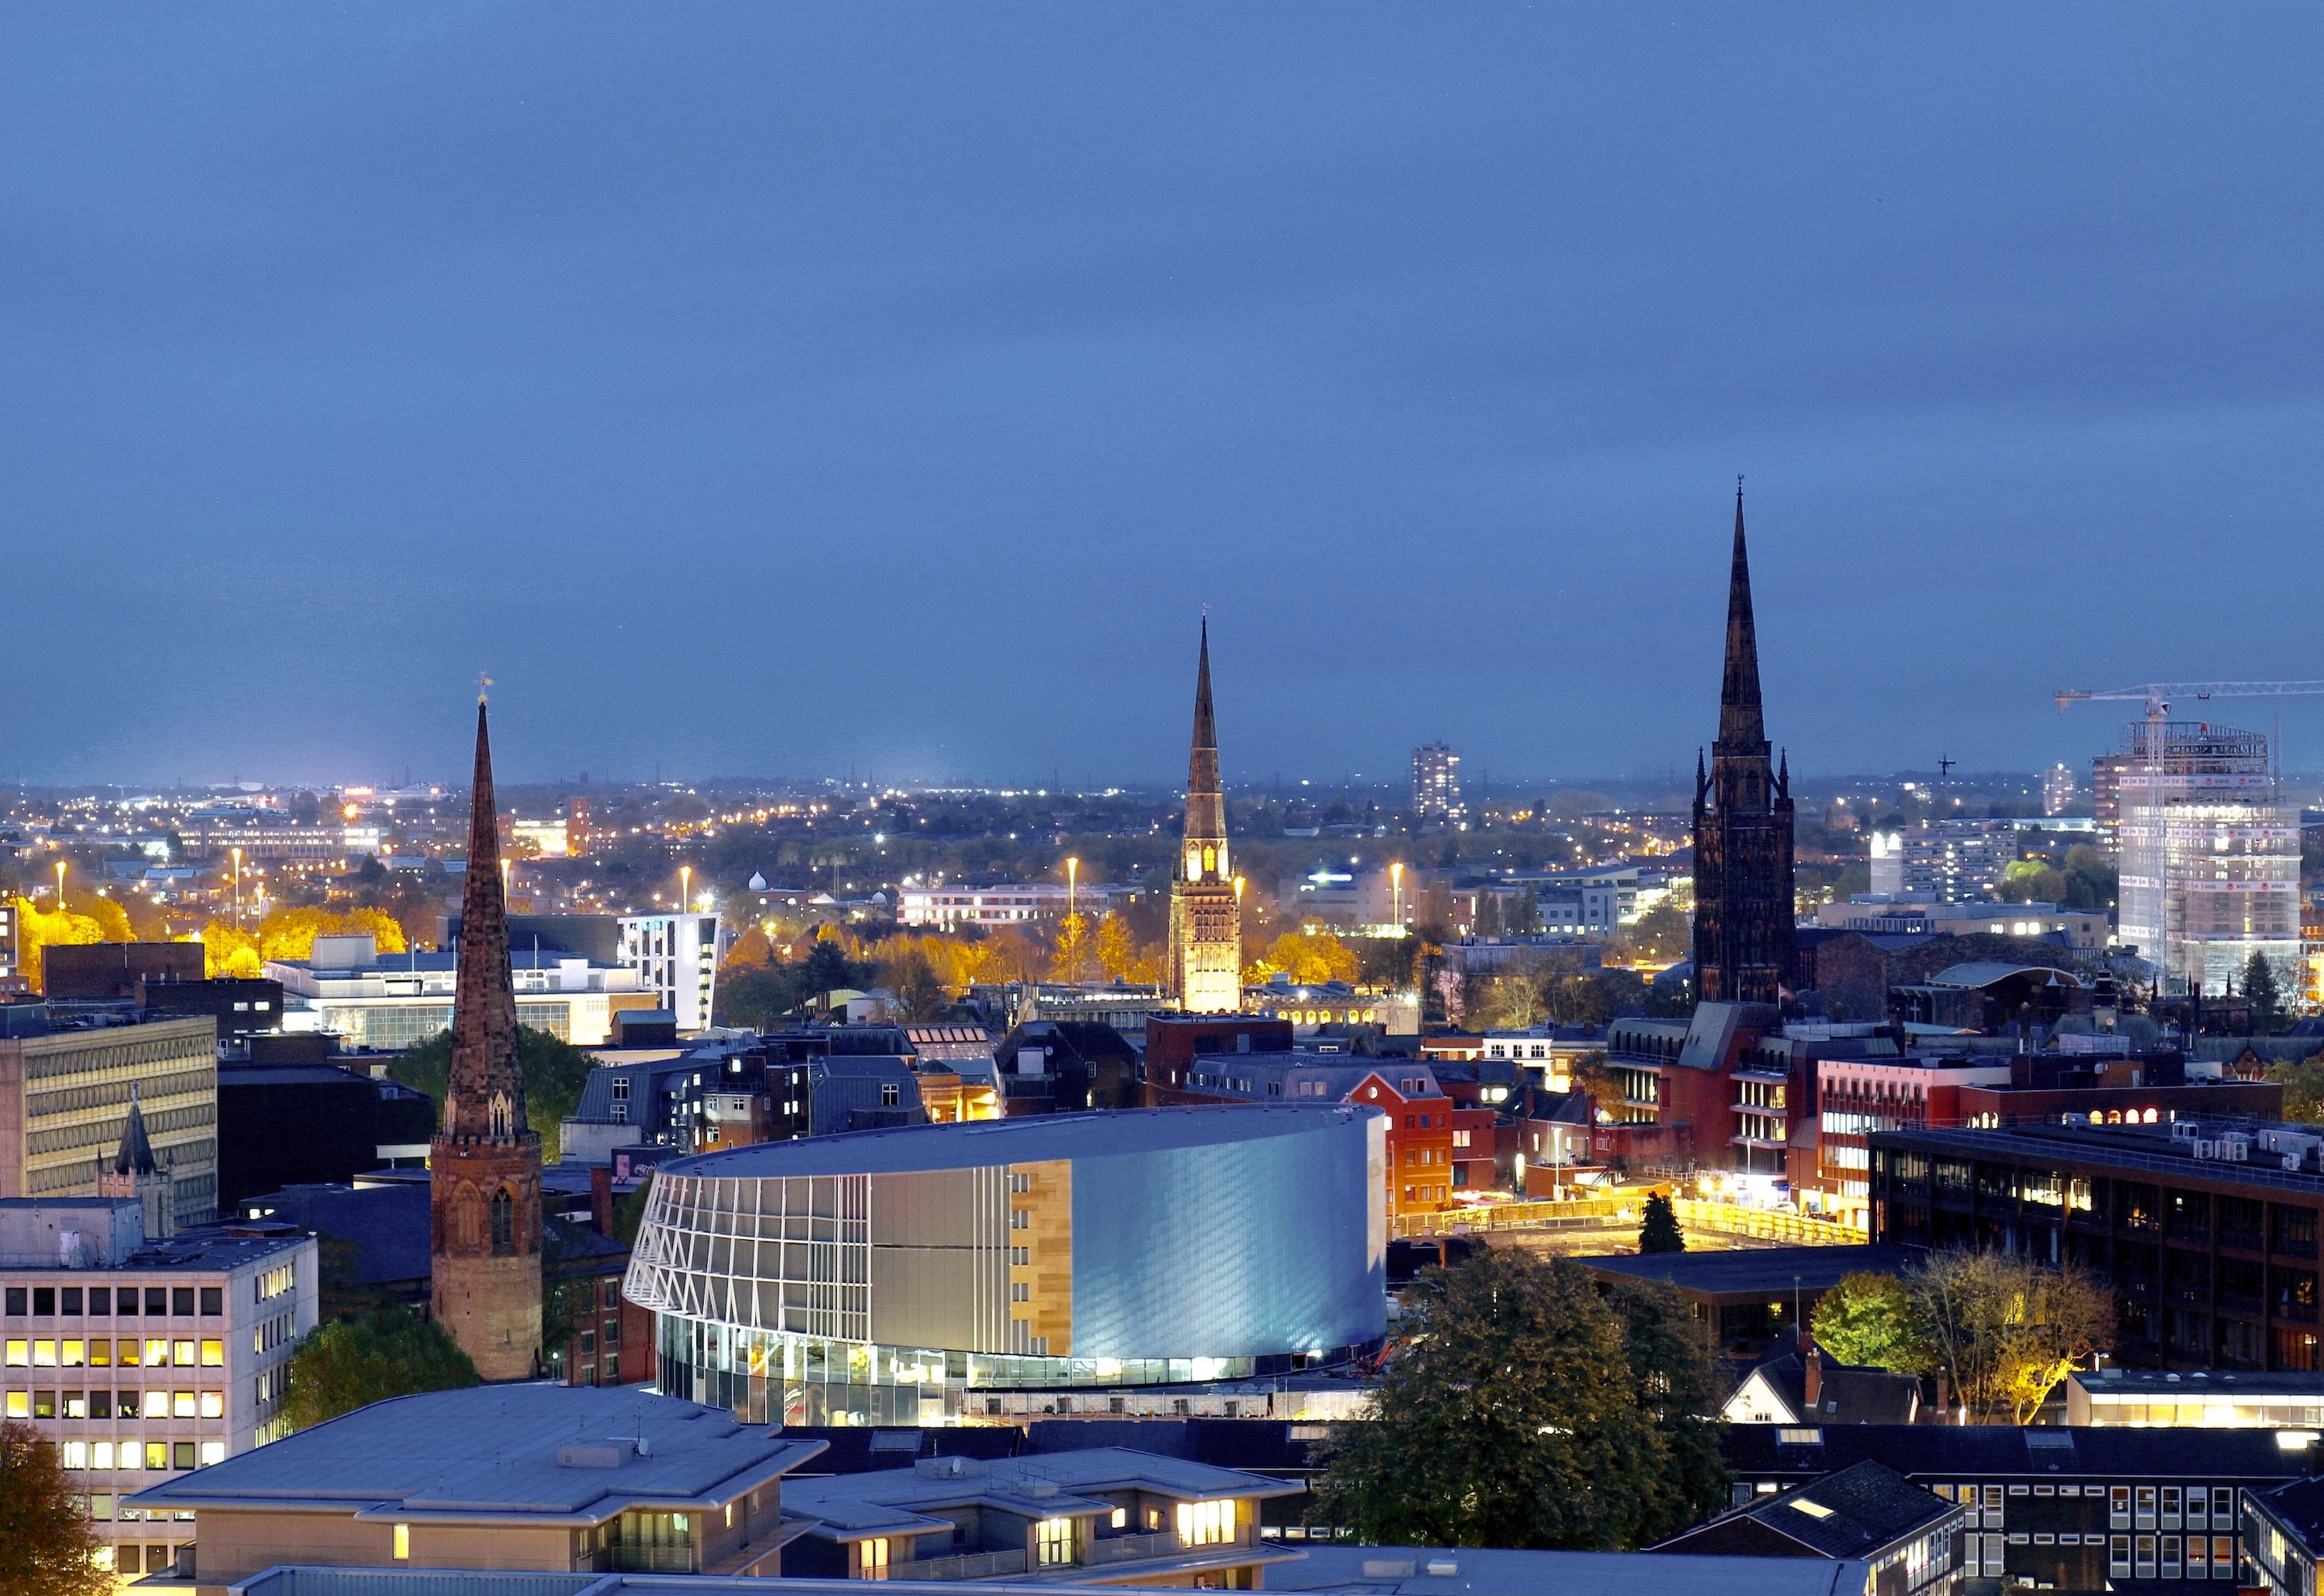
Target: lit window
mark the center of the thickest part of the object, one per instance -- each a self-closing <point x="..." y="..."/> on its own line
<point x="1053" y="1539"/>
<point x="1206" y="1523"/>
<point x="213" y="1404"/>
<point x="213" y="1354"/>
<point x="872" y="1558"/>
<point x="403" y="1542"/>
<point x="213" y="1451"/>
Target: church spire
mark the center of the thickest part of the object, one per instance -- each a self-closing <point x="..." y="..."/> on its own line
<point x="487" y="1094"/>
<point x="135" y="1154"/>
<point x="1740" y="724"/>
<point x="1206" y="819"/>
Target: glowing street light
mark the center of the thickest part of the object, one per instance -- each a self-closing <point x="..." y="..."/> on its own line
<point x="1396" y="886"/>
<point x="1072" y="915"/>
<point x="685" y="887"/>
<point x="60" y="884"/>
<point x="238" y="886"/>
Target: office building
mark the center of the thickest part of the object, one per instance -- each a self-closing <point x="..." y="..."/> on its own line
<point x="2049" y="1507"/>
<point x="997" y="908"/>
<point x="65" y="1097"/>
<point x="1436" y="784"/>
<point x="2206" y="1233"/>
<point x="2210" y="857"/>
<point x="485" y="1161"/>
<point x="2058" y="789"/>
<point x="1119" y="1517"/>
<point x="2159" y="1399"/>
<point x="140" y="1360"/>
<point x="676" y="958"/>
<point x="100" y="971"/>
<point x="389" y="1003"/>
<point x="2105" y="798"/>
<point x="1942" y="861"/>
<point x="572" y="1478"/>
<point x="307" y="1124"/>
<point x="2085" y="930"/>
<point x="1743" y="900"/>
<point x="1205" y="903"/>
<point x="896" y="1276"/>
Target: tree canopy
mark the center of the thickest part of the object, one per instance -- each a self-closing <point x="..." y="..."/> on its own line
<point x="1525" y="1409"/>
<point x="2006" y="1329"/>
<point x="554" y="1074"/>
<point x="345" y="1364"/>
<point x="1658" y="1231"/>
<point x="48" y="1548"/>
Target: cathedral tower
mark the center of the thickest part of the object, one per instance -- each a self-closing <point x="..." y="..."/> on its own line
<point x="485" y="1183"/>
<point x="1205" y="915"/>
<point x="1743" y="906"/>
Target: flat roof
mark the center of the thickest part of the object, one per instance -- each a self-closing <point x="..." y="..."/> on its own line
<point x="1026" y="1139"/>
<point x="217" y="1247"/>
<point x="900" y="1501"/>
<point x="2145" y="1148"/>
<point x="1330" y="1568"/>
<point x="533" y="1453"/>
<point x="1764" y="1271"/>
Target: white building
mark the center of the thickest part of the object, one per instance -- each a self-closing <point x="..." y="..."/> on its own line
<point x="1436" y="783"/>
<point x="138" y="1363"/>
<point x="2057" y="790"/>
<point x="1019" y="904"/>
<point x="674" y="956"/>
<point x="2211" y="858"/>
<point x="392" y="1000"/>
<point x="1949" y="862"/>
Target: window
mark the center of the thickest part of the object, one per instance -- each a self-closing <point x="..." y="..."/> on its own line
<point x="157" y="1353"/>
<point x="890" y="1094"/>
<point x="16" y="1301"/>
<point x="213" y="1404"/>
<point x="44" y="1301"/>
<point x="213" y="1451"/>
<point x="2118" y="1557"/>
<point x="213" y="1354"/>
<point x="1120" y="1517"/>
<point x="1206" y="1523"/>
<point x="157" y="1404"/>
<point x="1020" y="1291"/>
<point x="181" y="1405"/>
<point x="1053" y="1542"/>
<point x="1020" y="1219"/>
<point x="182" y="1300"/>
<point x="157" y="1454"/>
<point x="213" y="1301"/>
<point x="182" y="1354"/>
<point x="503" y="1221"/>
<point x="872" y="1558"/>
<point x="403" y="1543"/>
<point x="100" y="1301"/>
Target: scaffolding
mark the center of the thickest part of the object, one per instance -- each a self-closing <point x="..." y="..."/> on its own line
<point x="2209" y="857"/>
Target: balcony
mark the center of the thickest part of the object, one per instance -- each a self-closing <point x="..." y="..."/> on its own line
<point x="637" y="1560"/>
<point x="1130" y="1548"/>
<point x="965" y="1565"/>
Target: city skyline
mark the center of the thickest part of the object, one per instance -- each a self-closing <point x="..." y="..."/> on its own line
<point x="374" y="352"/>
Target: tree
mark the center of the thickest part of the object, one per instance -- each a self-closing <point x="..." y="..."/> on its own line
<point x="1525" y="1410"/>
<point x="2090" y="877"/>
<point x="918" y="993"/>
<point x="2303" y="1089"/>
<point x="1659" y="1232"/>
<point x="48" y="1548"/>
<point x="37" y="928"/>
<point x="554" y="1072"/>
<point x="2266" y="994"/>
<point x="1674" y="1376"/>
<point x="1069" y="958"/>
<point x="2009" y="1329"/>
<point x="752" y="950"/>
<point x="1868" y="1319"/>
<point x="1662" y="936"/>
<point x="1117" y="949"/>
<point x="351" y="1363"/>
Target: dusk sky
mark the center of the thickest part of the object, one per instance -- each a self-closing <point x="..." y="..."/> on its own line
<point x="773" y="389"/>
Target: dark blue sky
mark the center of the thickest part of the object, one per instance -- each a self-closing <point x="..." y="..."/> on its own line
<point x="770" y="388"/>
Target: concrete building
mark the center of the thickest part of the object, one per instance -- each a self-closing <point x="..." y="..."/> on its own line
<point x="2105" y="798"/>
<point x="574" y="1477"/>
<point x="1436" y="784"/>
<point x="1941" y="862"/>
<point x="388" y="1003"/>
<point x="2210" y="857"/>
<point x="65" y="1098"/>
<point x="2058" y="789"/>
<point x="1913" y="1539"/>
<point x="676" y="959"/>
<point x="997" y="908"/>
<point x="2085" y="930"/>
<point x="140" y="1360"/>
<point x="894" y="1277"/>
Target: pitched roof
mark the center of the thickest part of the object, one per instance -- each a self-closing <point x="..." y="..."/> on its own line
<point x="1858" y="1512"/>
<point x="1849" y="1394"/>
<point x="135" y="1154"/>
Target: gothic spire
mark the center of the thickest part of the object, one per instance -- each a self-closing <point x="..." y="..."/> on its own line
<point x="1205" y="802"/>
<point x="1740" y="724"/>
<point x="487" y="1094"/>
<point x="135" y="1154"/>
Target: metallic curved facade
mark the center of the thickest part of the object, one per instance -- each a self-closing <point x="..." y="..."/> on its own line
<point x="884" y="1274"/>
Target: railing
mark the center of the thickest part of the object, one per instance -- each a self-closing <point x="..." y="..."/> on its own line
<point x="1765" y="1224"/>
<point x="1127" y="1548"/>
<point x="966" y="1565"/>
<point x="1597" y="1213"/>
<point x="645" y="1559"/>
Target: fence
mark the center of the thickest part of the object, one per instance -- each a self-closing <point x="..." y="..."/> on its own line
<point x="1723" y="1218"/>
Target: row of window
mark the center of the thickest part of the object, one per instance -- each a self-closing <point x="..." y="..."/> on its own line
<point x="159" y="1456"/>
<point x="2170" y="1557"/>
<point x="155" y="1403"/>
<point x="107" y="1302"/>
<point x="2140" y="1506"/>
<point x="152" y="1352"/>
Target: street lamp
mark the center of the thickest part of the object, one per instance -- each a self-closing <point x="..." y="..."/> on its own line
<point x="685" y="887"/>
<point x="61" y="885"/>
<point x="1072" y="916"/>
<point x="1396" y="886"/>
<point x="238" y="886"/>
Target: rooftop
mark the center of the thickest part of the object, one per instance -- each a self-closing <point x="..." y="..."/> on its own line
<point x="1028" y="1139"/>
<point x="538" y="1453"/>
<point x="1051" y="1485"/>
<point x="1756" y="1272"/>
<point x="2147" y="1149"/>
<point x="2095" y="1451"/>
<point x="1858" y="1511"/>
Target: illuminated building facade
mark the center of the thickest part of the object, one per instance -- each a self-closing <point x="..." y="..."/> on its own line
<point x="1205" y="908"/>
<point x="1436" y="783"/>
<point x="894" y="1276"/>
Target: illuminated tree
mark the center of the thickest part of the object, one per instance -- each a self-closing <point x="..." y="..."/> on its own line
<point x="37" y="928"/>
<point x="752" y="949"/>
<point x="1117" y="950"/>
<point x="230" y="951"/>
<point x="1070" y="953"/>
<point x="48" y="1548"/>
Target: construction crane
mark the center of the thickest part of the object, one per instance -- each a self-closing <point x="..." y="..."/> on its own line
<point x="2157" y="696"/>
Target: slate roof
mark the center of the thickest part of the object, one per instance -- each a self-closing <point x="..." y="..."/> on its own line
<point x="1859" y="1511"/>
<point x="2119" y="1450"/>
<point x="492" y="1453"/>
<point x="1850" y="1394"/>
<point x="2298" y="1507"/>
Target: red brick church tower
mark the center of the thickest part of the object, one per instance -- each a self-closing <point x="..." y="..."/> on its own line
<point x="1743" y="910"/>
<point x="485" y="1161"/>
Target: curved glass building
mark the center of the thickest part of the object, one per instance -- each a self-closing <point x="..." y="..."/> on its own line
<point x="880" y="1277"/>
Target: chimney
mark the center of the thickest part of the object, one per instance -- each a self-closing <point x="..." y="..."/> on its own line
<point x="1944" y="1397"/>
<point x="601" y="1199"/>
<point x="1814" y="1378"/>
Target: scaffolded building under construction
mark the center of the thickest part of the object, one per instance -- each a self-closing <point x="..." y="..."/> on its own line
<point x="2210" y="856"/>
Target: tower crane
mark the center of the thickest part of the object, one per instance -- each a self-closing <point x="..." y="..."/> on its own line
<point x="2157" y="696"/>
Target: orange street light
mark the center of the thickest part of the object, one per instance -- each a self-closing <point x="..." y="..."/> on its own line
<point x="685" y="887"/>
<point x="60" y="884"/>
<point x="1396" y="885"/>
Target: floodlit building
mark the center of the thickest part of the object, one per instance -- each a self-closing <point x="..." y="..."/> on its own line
<point x="2210" y="857"/>
<point x="142" y="1359"/>
<point x="1205" y="903"/>
<point x="898" y="1276"/>
<point x="1436" y="783"/>
<point x="389" y="1001"/>
<point x="676" y="958"/>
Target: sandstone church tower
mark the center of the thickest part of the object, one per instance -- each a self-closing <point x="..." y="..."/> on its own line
<point x="486" y="1185"/>
<point x="1205" y="918"/>
<point x="1743" y="908"/>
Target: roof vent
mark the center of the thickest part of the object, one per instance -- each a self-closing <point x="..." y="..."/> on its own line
<point x="588" y="1457"/>
<point x="1387" y="1568"/>
<point x="1442" y="1568"/>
